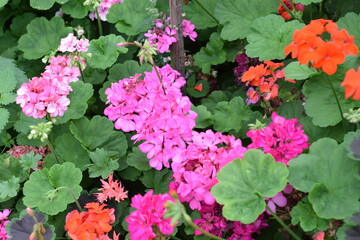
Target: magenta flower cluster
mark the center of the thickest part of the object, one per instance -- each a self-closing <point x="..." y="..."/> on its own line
<point x="196" y="167"/>
<point x="103" y="9"/>
<point x="48" y="94"/>
<point x="163" y="35"/>
<point x="213" y="222"/>
<point x="148" y="216"/>
<point x="156" y="110"/>
<point x="283" y="139"/>
<point x="3" y="222"/>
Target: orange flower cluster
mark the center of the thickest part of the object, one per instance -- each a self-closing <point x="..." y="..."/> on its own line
<point x="90" y="225"/>
<point x="352" y="84"/>
<point x="309" y="46"/>
<point x="263" y="77"/>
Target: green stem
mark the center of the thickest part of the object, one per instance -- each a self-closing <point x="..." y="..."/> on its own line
<point x="99" y="22"/>
<point x="288" y="10"/>
<point x="73" y="195"/>
<point x="193" y="225"/>
<point x="337" y="100"/>
<point x="81" y="72"/>
<point x="207" y="11"/>
<point x="283" y="224"/>
<point x="52" y="150"/>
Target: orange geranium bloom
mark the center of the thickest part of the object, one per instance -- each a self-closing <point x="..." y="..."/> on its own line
<point x="342" y="37"/>
<point x="352" y="84"/>
<point x="255" y="75"/>
<point x="328" y="56"/>
<point x="90" y="225"/>
<point x="111" y="189"/>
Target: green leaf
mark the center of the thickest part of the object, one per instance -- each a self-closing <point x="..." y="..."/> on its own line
<point x="10" y="167"/>
<point x="273" y="31"/>
<point x="238" y="15"/>
<point x="198" y="16"/>
<point x="3" y="2"/>
<point x="138" y="160"/>
<point x="10" y="75"/>
<point x="7" y="98"/>
<point x="19" y="23"/>
<point x="42" y="181"/>
<point x="212" y="54"/>
<point x="352" y="144"/>
<point x="318" y="173"/>
<point x="42" y="4"/>
<point x="295" y="70"/>
<point x="4" y="118"/>
<point x="157" y="180"/>
<point x="230" y="115"/>
<point x="203" y="120"/>
<point x="104" y="51"/>
<point x="307" y="2"/>
<point x="131" y="17"/>
<point x="349" y="22"/>
<point x="99" y="133"/>
<point x="243" y="184"/>
<point x="42" y="37"/>
<point x="292" y="109"/>
<point x="93" y="75"/>
<point x="130" y="173"/>
<point x="212" y="100"/>
<point x="195" y="93"/>
<point x="321" y="103"/>
<point x="126" y="70"/>
<point x="29" y="160"/>
<point x="102" y="164"/>
<point x="9" y="188"/>
<point x="75" y="8"/>
<point x="304" y="214"/>
<point x="70" y="150"/>
<point x="81" y="93"/>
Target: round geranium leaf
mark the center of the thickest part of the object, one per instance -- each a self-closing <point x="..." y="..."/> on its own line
<point x="329" y="176"/>
<point x="42" y="182"/>
<point x="243" y="184"/>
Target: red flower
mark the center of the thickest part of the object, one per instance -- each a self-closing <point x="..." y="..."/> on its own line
<point x="352" y="84"/>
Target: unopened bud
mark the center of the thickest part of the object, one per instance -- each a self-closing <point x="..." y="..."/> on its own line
<point x="30" y="211"/>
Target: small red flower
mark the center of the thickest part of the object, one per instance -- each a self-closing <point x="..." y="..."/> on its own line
<point x="199" y="87"/>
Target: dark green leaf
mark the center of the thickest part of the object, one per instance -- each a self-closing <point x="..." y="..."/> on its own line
<point x="198" y="16"/>
<point x="157" y="180"/>
<point x="138" y="160"/>
<point x="203" y="120"/>
<point x="29" y="160"/>
<point x="42" y="4"/>
<point x="75" y="8"/>
<point x="295" y="70"/>
<point x="102" y="164"/>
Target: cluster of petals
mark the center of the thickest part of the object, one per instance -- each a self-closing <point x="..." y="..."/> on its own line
<point x="293" y="7"/>
<point x="352" y="84"/>
<point x="156" y="110"/>
<point x="196" y="167"/>
<point x="279" y="199"/>
<point x="111" y="189"/>
<point x="213" y="222"/>
<point x="3" y="222"/>
<point x="309" y="46"/>
<point x="163" y="35"/>
<point x="262" y="79"/>
<point x="48" y="93"/>
<point x="72" y="44"/>
<point x="17" y="151"/>
<point x="283" y="139"/>
<point x="103" y="9"/>
<point x="148" y="218"/>
<point x="244" y="63"/>
<point x="94" y="224"/>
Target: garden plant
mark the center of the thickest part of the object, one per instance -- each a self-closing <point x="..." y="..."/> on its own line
<point x="171" y="119"/>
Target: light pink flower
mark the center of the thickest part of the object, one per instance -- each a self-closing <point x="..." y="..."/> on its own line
<point x="68" y="44"/>
<point x="82" y="45"/>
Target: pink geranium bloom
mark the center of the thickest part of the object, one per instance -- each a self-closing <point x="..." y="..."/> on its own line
<point x="3" y="222"/>
<point x="68" y="44"/>
<point x="111" y="189"/>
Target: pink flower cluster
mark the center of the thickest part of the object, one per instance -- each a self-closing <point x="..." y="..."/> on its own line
<point x="283" y="139"/>
<point x="279" y="199"/>
<point x="162" y="35"/>
<point x="148" y="216"/>
<point x="18" y="151"/>
<point x="196" y="167"/>
<point x="3" y="222"/>
<point x="48" y="94"/>
<point x="111" y="189"/>
<point x="213" y="222"/>
<point x="156" y="110"/>
<point x="72" y="44"/>
<point x="103" y="9"/>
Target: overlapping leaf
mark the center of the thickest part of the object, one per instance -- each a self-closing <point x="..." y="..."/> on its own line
<point x="318" y="173"/>
<point x="102" y="164"/>
<point x="295" y="70"/>
<point x="243" y="184"/>
<point x="42" y="181"/>
<point x="238" y="15"/>
<point x="42" y="37"/>
<point x="200" y="17"/>
<point x="273" y="31"/>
